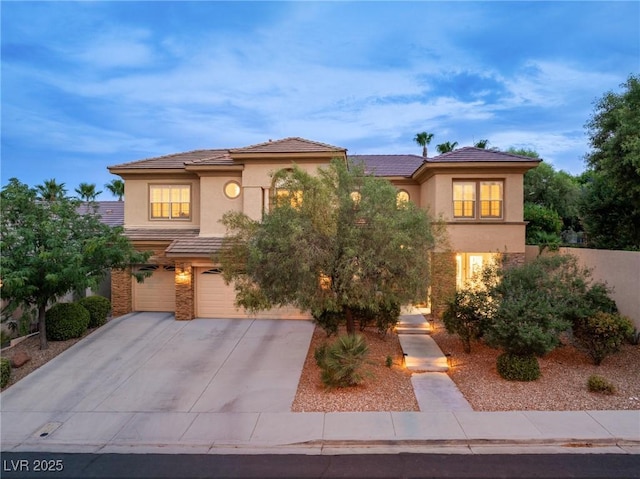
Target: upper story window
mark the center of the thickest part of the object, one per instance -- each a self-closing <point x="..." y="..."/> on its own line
<point x="285" y="196"/>
<point x="170" y="202"/>
<point x="466" y="204"/>
<point x="232" y="189"/>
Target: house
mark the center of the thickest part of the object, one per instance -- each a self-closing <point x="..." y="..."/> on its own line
<point x="173" y="205"/>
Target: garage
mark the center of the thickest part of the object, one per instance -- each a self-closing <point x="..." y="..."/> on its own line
<point x="157" y="293"/>
<point x="215" y="299"/>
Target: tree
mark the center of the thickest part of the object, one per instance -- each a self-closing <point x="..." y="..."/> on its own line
<point x="423" y="139"/>
<point x="614" y="160"/>
<point x="544" y="226"/>
<point x="556" y="190"/>
<point x="481" y="144"/>
<point x="87" y="192"/>
<point x="51" y="190"/>
<point x="446" y="147"/>
<point x="337" y="242"/>
<point x="49" y="249"/>
<point x="116" y="187"/>
<point x="523" y="152"/>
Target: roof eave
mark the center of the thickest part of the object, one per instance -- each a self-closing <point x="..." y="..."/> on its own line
<point x="427" y="169"/>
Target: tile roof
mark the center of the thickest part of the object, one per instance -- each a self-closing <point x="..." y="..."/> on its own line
<point x="389" y="165"/>
<point x="471" y="154"/>
<point x="194" y="246"/>
<point x="289" y="145"/>
<point x="111" y="212"/>
<point x="176" y="160"/>
<point x="158" y="234"/>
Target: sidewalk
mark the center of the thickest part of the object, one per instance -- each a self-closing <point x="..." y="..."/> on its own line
<point x="327" y="433"/>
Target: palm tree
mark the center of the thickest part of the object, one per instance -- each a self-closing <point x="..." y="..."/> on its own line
<point x="481" y="144"/>
<point x="87" y="191"/>
<point x="116" y="187"/>
<point x="446" y="147"/>
<point x="423" y="139"/>
<point x="51" y="190"/>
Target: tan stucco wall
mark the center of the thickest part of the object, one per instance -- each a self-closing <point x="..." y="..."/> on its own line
<point x="619" y="269"/>
<point x="490" y="238"/>
<point x="214" y="203"/>
<point x="136" y="205"/>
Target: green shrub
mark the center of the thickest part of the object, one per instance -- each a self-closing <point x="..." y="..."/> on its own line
<point x="384" y="316"/>
<point x="328" y="320"/>
<point x="341" y="362"/>
<point x="467" y="316"/>
<point x="598" y="384"/>
<point x="602" y="334"/>
<point x="65" y="321"/>
<point x="388" y="362"/>
<point x="5" y="371"/>
<point x="514" y="367"/>
<point x="98" y="307"/>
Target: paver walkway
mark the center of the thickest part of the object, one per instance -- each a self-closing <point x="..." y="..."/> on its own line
<point x="434" y="389"/>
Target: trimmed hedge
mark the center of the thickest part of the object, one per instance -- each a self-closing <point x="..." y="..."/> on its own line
<point x="66" y="320"/>
<point x="5" y="371"/>
<point x="513" y="367"/>
<point x="98" y="307"/>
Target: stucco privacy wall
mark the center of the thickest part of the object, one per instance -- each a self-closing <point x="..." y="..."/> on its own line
<point x="619" y="269"/>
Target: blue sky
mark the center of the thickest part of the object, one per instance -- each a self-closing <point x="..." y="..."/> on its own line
<point x="91" y="84"/>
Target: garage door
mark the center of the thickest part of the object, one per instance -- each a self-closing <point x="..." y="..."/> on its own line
<point x="214" y="299"/>
<point x="157" y="293"/>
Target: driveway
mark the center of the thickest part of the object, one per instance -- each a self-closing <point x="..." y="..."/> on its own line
<point x="150" y="363"/>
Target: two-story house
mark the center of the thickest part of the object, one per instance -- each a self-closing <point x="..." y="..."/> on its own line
<point x="174" y="203"/>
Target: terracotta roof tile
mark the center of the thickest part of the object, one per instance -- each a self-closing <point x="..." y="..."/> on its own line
<point x="389" y="165"/>
<point x="176" y="160"/>
<point x="194" y="246"/>
<point x="471" y="153"/>
<point x="289" y="145"/>
<point x="164" y="234"/>
<point x="111" y="212"/>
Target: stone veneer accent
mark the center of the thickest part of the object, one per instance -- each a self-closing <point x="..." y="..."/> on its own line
<point x="185" y="297"/>
<point x="121" y="292"/>
<point x="443" y="281"/>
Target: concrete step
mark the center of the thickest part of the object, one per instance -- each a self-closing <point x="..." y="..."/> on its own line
<point x="422" y="353"/>
<point x="412" y="328"/>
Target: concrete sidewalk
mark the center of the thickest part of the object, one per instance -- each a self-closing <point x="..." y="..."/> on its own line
<point x="324" y="433"/>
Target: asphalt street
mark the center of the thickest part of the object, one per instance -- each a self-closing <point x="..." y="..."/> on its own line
<point x="370" y="466"/>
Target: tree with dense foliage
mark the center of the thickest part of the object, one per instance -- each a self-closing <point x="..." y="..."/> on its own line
<point x="544" y="226"/>
<point x="51" y="190"/>
<point x="423" y="139"/>
<point x="611" y="205"/>
<point x="446" y="147"/>
<point x="49" y="249"/>
<point x="87" y="192"/>
<point x="531" y="153"/>
<point x="337" y="242"/>
<point x="481" y="144"/>
<point x="116" y="187"/>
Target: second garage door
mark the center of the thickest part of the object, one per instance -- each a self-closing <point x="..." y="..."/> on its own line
<point x="215" y="299"/>
<point x="157" y="293"/>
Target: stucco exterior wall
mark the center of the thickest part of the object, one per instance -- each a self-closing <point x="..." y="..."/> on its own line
<point x="214" y="203"/>
<point x="488" y="237"/>
<point x="136" y="206"/>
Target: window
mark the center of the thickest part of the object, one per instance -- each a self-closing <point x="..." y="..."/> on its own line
<point x="232" y="190"/>
<point x="170" y="201"/>
<point x="466" y="206"/>
<point x="402" y="198"/>
<point x="285" y="196"/>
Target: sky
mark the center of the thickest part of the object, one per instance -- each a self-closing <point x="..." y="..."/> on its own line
<point x="90" y="84"/>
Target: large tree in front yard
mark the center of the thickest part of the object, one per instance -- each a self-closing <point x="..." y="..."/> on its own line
<point x="336" y="242"/>
<point x="48" y="249"/>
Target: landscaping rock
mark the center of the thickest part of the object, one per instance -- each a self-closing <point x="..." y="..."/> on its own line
<point x="19" y="359"/>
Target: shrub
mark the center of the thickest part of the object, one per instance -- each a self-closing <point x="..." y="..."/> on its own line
<point x="328" y="320"/>
<point x="385" y="317"/>
<point x="388" y="362"/>
<point x="342" y="361"/>
<point x="466" y="316"/>
<point x="514" y="367"/>
<point x="598" y="384"/>
<point x="602" y="334"/>
<point x="66" y="320"/>
<point x="98" y="307"/>
<point x="5" y="371"/>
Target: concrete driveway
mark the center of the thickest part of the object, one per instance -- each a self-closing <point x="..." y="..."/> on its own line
<point x="151" y="366"/>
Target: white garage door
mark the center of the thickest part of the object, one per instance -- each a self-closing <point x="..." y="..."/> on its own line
<point x="157" y="293"/>
<point x="214" y="299"/>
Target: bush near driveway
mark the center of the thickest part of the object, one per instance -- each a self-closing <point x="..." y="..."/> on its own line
<point x="98" y="307"/>
<point x="5" y="372"/>
<point x="66" y="321"/>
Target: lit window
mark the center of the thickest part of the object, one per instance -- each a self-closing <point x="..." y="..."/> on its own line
<point x="170" y="202"/>
<point x="491" y="199"/>
<point x="490" y="205"/>
<point x="402" y="198"/>
<point x="464" y="199"/>
<point x="232" y="190"/>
